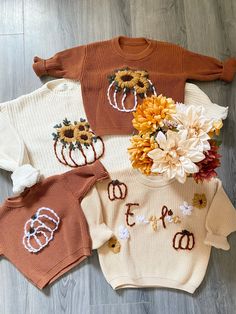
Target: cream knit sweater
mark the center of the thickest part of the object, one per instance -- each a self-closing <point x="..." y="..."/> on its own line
<point x="27" y="124"/>
<point x="162" y="231"/>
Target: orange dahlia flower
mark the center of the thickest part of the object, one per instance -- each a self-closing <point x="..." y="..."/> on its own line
<point x="151" y="113"/>
<point x="141" y="146"/>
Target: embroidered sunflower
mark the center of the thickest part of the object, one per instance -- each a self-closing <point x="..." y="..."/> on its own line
<point x="114" y="245"/>
<point x="142" y="73"/>
<point x="139" y="150"/>
<point x="151" y="114"/>
<point x="142" y="86"/>
<point x="199" y="201"/>
<point x="84" y="137"/>
<point x="126" y="78"/>
<point x="82" y="126"/>
<point x="67" y="133"/>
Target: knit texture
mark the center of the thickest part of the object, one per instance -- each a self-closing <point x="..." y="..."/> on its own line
<point x="117" y="74"/>
<point x="162" y="230"/>
<point x="27" y="124"/>
<point x="48" y="231"/>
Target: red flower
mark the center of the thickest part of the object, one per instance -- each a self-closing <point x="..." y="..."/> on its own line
<point x="208" y="165"/>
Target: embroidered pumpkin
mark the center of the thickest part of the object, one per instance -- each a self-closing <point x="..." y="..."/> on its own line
<point x="126" y="86"/>
<point x="75" y="144"/>
<point x="117" y="190"/>
<point x="183" y="240"/>
<point x="114" y="245"/>
<point x="39" y="229"/>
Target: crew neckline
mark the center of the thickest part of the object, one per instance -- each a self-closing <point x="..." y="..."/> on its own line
<point x="135" y="41"/>
<point x="153" y="181"/>
<point x="17" y="201"/>
<point x="62" y="86"/>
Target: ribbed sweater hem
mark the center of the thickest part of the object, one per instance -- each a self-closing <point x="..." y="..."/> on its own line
<point x="64" y="266"/>
<point x="145" y="282"/>
<point x="101" y="131"/>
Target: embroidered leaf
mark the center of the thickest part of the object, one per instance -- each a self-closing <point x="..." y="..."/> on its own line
<point x="95" y="139"/>
<point x="127" y="91"/>
<point x="64" y="144"/>
<point x="71" y="146"/>
<point x="75" y="122"/>
<point x="57" y="126"/>
<point x="55" y="136"/>
<point x="82" y="120"/>
<point x="141" y="96"/>
<point x="66" y="122"/>
<point x="78" y="144"/>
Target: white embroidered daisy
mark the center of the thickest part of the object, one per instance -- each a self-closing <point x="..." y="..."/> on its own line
<point x="141" y="219"/>
<point x="186" y="209"/>
<point x="123" y="232"/>
<point x="169" y="218"/>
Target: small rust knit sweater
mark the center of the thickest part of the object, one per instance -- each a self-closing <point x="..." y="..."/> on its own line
<point x="116" y="74"/>
<point x="43" y="232"/>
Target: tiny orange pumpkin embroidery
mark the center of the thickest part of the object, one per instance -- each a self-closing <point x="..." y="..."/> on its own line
<point x="114" y="245"/>
<point x="183" y="240"/>
<point x="117" y="190"/>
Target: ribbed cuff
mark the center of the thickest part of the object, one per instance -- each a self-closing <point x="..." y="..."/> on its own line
<point x="100" y="235"/>
<point x="24" y="177"/>
<point x="218" y="241"/>
<point x="100" y="171"/>
<point x="229" y="69"/>
<point x="39" y="66"/>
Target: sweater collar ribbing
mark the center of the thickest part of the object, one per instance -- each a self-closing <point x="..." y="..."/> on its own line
<point x="153" y="181"/>
<point x="138" y="41"/>
<point x="62" y="87"/>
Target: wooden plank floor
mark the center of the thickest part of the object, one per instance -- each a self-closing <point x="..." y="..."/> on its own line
<point x="33" y="27"/>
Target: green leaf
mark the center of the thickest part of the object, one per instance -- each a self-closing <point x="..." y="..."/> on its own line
<point x="66" y="122"/>
<point x="57" y="126"/>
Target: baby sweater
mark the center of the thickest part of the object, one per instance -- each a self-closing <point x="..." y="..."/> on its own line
<point x="27" y="124"/>
<point x="43" y="232"/>
<point x="162" y="230"/>
<point x="117" y="74"/>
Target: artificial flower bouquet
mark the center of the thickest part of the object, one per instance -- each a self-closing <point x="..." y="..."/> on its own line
<point x="174" y="140"/>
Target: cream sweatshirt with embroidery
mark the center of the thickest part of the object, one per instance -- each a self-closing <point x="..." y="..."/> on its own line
<point x="162" y="230"/>
<point x="27" y="124"/>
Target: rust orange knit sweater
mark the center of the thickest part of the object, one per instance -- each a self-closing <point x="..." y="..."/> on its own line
<point x="116" y="74"/>
<point x="43" y="232"/>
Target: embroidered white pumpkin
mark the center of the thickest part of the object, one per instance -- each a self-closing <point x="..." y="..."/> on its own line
<point x="75" y="144"/>
<point x="39" y="229"/>
<point x="126" y="86"/>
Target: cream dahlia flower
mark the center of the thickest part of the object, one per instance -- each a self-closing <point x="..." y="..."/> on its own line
<point x="194" y="120"/>
<point x="176" y="155"/>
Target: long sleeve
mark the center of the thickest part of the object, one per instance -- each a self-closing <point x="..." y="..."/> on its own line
<point x="204" y="68"/>
<point x="82" y="179"/>
<point x="195" y="96"/>
<point x="221" y="220"/>
<point x="12" y="149"/>
<point x="14" y="157"/>
<point x="68" y="63"/>
<point x="91" y="205"/>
